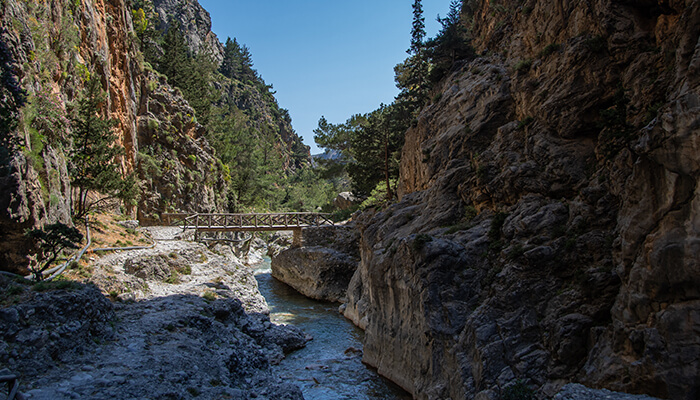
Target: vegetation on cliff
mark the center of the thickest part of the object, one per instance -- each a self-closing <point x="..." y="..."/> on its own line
<point x="371" y="143"/>
<point x="198" y="128"/>
<point x="251" y="133"/>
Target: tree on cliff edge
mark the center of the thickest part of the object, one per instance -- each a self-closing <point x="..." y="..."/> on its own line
<point x="93" y="159"/>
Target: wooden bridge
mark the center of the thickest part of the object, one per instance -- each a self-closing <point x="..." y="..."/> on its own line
<point x="255" y="222"/>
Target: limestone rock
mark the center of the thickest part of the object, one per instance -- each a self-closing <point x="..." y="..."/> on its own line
<point x="533" y="241"/>
<point x="345" y="200"/>
<point x="194" y="21"/>
<point x="323" y="267"/>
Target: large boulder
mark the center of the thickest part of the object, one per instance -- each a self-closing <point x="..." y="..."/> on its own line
<point x="345" y="200"/>
<point x="323" y="267"/>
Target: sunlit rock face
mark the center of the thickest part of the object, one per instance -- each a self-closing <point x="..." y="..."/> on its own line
<point x="536" y="239"/>
<point x="195" y="23"/>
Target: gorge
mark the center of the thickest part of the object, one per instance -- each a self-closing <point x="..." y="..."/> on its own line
<point x="545" y="229"/>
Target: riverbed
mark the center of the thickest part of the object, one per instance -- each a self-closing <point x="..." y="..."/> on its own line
<point x="330" y="366"/>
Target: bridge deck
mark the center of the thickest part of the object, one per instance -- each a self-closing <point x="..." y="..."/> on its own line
<point x="253" y="222"/>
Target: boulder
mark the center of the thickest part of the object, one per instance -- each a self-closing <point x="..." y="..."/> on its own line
<point x="323" y="266"/>
<point x="345" y="200"/>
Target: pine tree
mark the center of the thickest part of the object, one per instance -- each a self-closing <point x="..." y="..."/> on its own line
<point x="248" y="74"/>
<point x="371" y="142"/>
<point x="191" y="74"/>
<point x="418" y="30"/>
<point x="411" y="75"/>
<point x="93" y="160"/>
<point x="451" y="43"/>
<point x="231" y="64"/>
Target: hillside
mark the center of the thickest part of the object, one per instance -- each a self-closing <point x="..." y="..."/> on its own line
<point x="170" y="143"/>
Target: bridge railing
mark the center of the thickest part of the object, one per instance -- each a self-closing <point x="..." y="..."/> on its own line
<point x="256" y="221"/>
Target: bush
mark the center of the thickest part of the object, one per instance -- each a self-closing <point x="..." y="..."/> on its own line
<point x="525" y="122"/>
<point x="518" y="391"/>
<point x="421" y="241"/>
<point x="523" y="65"/>
<point x="549" y="49"/>
<point x="209" y="295"/>
<point x="496" y="225"/>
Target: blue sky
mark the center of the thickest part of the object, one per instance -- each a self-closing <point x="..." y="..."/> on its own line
<point x="324" y="57"/>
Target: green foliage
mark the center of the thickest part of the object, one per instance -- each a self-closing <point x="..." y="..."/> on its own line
<point x="451" y="44"/>
<point x="50" y="241"/>
<point x="525" y="122"/>
<point x="238" y="63"/>
<point x="596" y="44"/>
<point x="371" y="144"/>
<point x="420" y="241"/>
<point x="549" y="49"/>
<point x="418" y="28"/>
<point x="58" y="284"/>
<point x="12" y="99"/>
<point x="191" y="73"/>
<point x="145" y="19"/>
<point x="518" y="391"/>
<point x="209" y="296"/>
<point x="516" y="252"/>
<point x="496" y="225"/>
<point x="45" y="114"/>
<point x="523" y="65"/>
<point x="342" y="215"/>
<point x="378" y="196"/>
<point x="469" y="213"/>
<point x="173" y="278"/>
<point x="652" y="112"/>
<point x="93" y="160"/>
<point x="306" y="191"/>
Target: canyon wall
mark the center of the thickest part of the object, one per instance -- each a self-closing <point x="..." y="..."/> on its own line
<point x="58" y="45"/>
<point x="548" y="225"/>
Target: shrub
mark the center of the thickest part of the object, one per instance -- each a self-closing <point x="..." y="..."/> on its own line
<point x="549" y="49"/>
<point x="523" y="65"/>
<point x="209" y="295"/>
<point x="518" y="391"/>
<point x="51" y="240"/>
<point x="496" y="225"/>
<point x="420" y="242"/>
<point x="173" y="279"/>
<point x="525" y="122"/>
<point x="596" y="44"/>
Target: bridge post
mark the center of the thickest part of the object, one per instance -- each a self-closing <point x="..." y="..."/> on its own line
<point x="296" y="237"/>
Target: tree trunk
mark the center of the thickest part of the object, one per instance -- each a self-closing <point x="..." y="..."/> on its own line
<point x="389" y="193"/>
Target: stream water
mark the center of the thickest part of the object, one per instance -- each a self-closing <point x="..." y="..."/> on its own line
<point x="330" y="365"/>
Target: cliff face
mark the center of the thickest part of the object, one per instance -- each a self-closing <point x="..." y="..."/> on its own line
<point x="254" y="101"/>
<point x="195" y="23"/>
<point x="548" y="224"/>
<point x="58" y="44"/>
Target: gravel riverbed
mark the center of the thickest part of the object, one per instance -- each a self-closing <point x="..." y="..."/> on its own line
<point x="184" y="321"/>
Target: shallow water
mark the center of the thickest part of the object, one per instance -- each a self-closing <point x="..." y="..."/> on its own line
<point x="330" y="365"/>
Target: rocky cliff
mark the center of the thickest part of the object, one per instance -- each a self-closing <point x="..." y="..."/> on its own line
<point x="193" y="20"/>
<point x="548" y="225"/>
<point x="58" y="44"/>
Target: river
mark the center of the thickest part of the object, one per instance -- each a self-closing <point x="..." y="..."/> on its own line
<point x="330" y="366"/>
